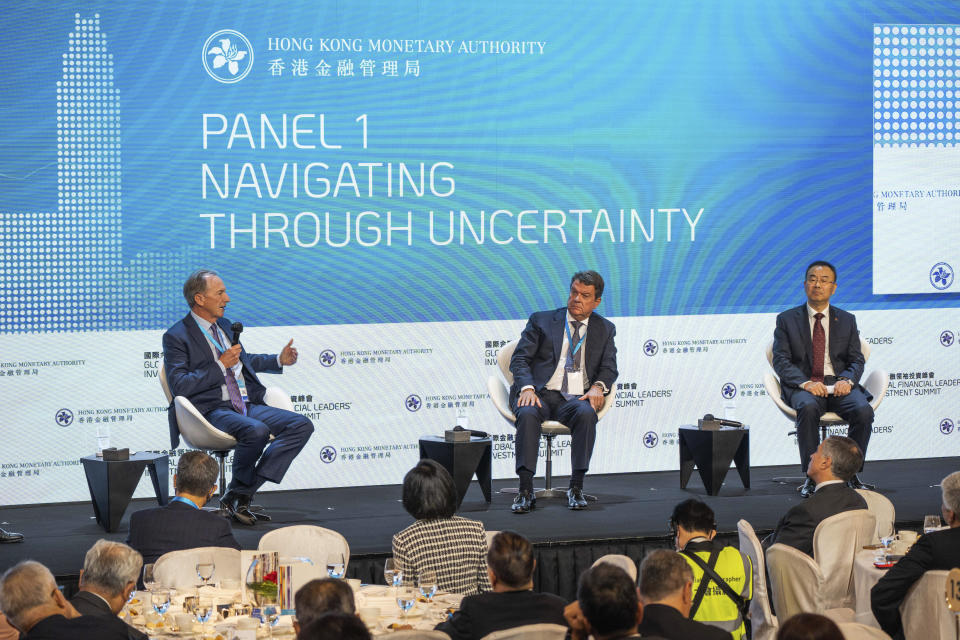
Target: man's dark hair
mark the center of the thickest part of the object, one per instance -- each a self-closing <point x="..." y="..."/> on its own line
<point x="693" y="515"/>
<point x="662" y="573"/>
<point x="820" y="263"/>
<point x="196" y="283"/>
<point x="809" y="626"/>
<point x="197" y="472"/>
<point x="321" y="596"/>
<point x="845" y="456"/>
<point x="591" y="279"/>
<point x="429" y="492"/>
<point x="608" y="599"/>
<point x="335" y="626"/>
<point x="511" y="558"/>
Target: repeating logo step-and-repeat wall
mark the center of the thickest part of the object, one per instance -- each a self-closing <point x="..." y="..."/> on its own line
<point x="397" y="187"/>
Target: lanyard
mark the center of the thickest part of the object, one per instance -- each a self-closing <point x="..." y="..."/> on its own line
<point x="574" y="349"/>
<point x="184" y="500"/>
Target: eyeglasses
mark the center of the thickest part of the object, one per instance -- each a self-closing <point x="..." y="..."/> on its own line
<point x="815" y="280"/>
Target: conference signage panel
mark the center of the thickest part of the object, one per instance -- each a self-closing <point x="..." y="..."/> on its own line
<point x="397" y="187"/>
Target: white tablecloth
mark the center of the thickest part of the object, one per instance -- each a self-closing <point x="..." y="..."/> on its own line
<point x="865" y="575"/>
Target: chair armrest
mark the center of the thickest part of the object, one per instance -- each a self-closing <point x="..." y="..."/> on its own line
<point x="772" y="386"/>
<point x="607" y="403"/>
<point x="277" y="398"/>
<point x="197" y="431"/>
<point x="877" y="383"/>
<point x="501" y="398"/>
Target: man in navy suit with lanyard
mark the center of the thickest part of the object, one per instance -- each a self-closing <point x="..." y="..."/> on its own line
<point x="220" y="379"/>
<point x="817" y="356"/>
<point x="564" y="365"/>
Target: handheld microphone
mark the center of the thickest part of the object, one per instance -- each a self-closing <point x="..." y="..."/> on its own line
<point x="727" y="423"/>
<point x="237" y="328"/>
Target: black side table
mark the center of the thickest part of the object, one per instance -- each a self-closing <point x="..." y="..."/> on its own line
<point x="712" y="452"/>
<point x="112" y="483"/>
<point x="462" y="460"/>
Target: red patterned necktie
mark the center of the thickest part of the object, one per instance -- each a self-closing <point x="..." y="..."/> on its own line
<point x="819" y="347"/>
<point x="233" y="388"/>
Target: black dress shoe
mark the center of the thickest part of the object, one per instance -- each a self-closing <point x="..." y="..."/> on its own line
<point x="575" y="499"/>
<point x="855" y="483"/>
<point x="254" y="511"/>
<point x="230" y="503"/>
<point x="10" y="536"/>
<point x="807" y="489"/>
<point x="525" y="502"/>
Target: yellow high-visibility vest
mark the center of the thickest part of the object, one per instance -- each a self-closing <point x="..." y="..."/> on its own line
<point x="736" y="569"/>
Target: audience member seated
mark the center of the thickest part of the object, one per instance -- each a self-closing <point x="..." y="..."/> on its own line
<point x="182" y="524"/>
<point x="607" y="606"/>
<point x="321" y="596"/>
<point x="724" y="606"/>
<point x="832" y="465"/>
<point x="33" y="604"/>
<point x="512" y="603"/>
<point x="454" y="547"/>
<point x="932" y="551"/>
<point x="110" y="572"/>
<point x="666" y="583"/>
<point x="335" y="625"/>
<point x="809" y="626"/>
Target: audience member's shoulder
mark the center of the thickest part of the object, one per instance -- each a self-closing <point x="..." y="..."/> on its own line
<point x="467" y="523"/>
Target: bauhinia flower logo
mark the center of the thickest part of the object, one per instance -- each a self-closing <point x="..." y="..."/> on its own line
<point x="227" y="56"/>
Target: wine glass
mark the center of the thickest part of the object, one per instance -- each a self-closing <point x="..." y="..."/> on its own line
<point x="149" y="580"/>
<point x="205" y="571"/>
<point x="270" y="614"/>
<point x="406" y="596"/>
<point x="391" y="573"/>
<point x="931" y="523"/>
<point x="160" y="599"/>
<point x="427" y="582"/>
<point x="204" y="610"/>
<point x="335" y="566"/>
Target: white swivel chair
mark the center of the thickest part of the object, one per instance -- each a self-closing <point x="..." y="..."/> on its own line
<point x="178" y="569"/>
<point x="882" y="509"/>
<point x="797" y="585"/>
<point x="618" y="560"/>
<point x="836" y="541"/>
<point x="541" y="631"/>
<point x="307" y="541"/>
<point x="762" y="621"/>
<point x="858" y="631"/>
<point x="198" y="433"/>
<point x="550" y="429"/>
<point x="876" y="385"/>
<point x="924" y="611"/>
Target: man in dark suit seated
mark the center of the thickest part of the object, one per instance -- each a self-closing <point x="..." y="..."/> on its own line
<point x="564" y="365"/>
<point x="182" y="524"/>
<point x="319" y="597"/>
<point x="512" y="603"/>
<point x="810" y="356"/>
<point x="607" y="606"/>
<point x="932" y="551"/>
<point x="205" y="363"/>
<point x="33" y="604"/>
<point x="666" y="590"/>
<point x="110" y="572"/>
<point x="831" y="466"/>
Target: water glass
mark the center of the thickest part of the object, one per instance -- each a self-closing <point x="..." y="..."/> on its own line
<point x="160" y="599"/>
<point x="391" y="573"/>
<point x="205" y="571"/>
<point x="204" y="610"/>
<point x="406" y="597"/>
<point x="427" y="583"/>
<point x="149" y="581"/>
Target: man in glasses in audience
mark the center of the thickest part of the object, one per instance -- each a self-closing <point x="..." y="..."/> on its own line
<point x="109" y="576"/>
<point x="817" y="356"/>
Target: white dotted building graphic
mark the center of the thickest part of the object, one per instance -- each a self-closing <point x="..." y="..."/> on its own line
<point x="64" y="271"/>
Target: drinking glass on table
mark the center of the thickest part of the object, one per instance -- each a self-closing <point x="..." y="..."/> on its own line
<point x="160" y="599"/>
<point x="270" y="614"/>
<point x="335" y="565"/>
<point x="427" y="583"/>
<point x="204" y="610"/>
<point x="391" y="573"/>
<point x="149" y="581"/>
<point x="205" y="569"/>
<point x="406" y="595"/>
<point x="931" y="523"/>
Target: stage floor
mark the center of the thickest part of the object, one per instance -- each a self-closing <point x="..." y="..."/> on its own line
<point x="631" y="507"/>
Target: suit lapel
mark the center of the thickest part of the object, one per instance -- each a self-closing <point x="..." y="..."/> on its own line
<point x="803" y="326"/>
<point x="200" y="343"/>
<point x="596" y="337"/>
<point x="558" y="334"/>
<point x="831" y="347"/>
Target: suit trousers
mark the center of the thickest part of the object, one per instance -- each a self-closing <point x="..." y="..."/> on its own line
<point x="258" y="459"/>
<point x="852" y="407"/>
<point x="576" y="414"/>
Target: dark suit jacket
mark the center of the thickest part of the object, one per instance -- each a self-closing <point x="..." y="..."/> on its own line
<point x="193" y="372"/>
<point x="793" y="348"/>
<point x="154" y="532"/>
<point x="538" y="351"/>
<point x="488" y="612"/>
<point x="83" y="628"/>
<point x="797" y="525"/>
<point x="90" y="604"/>
<point x="933" y="551"/>
<point x="665" y="621"/>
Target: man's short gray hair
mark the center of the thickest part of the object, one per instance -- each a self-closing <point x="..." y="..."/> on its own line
<point x="662" y="573"/>
<point x="197" y="473"/>
<point x="950" y="486"/>
<point x="23" y="587"/>
<point x="196" y="283"/>
<point x="111" y="566"/>
<point x="845" y="456"/>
